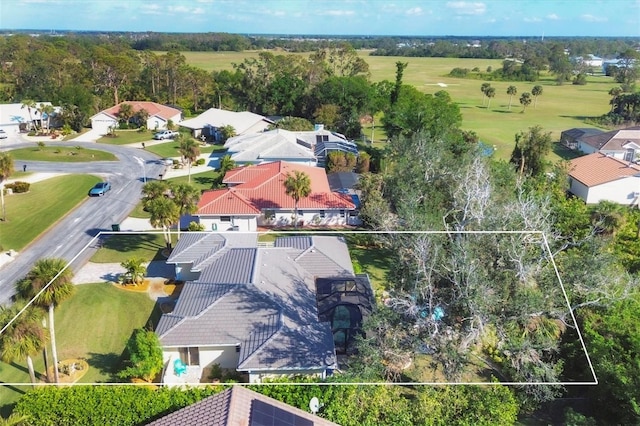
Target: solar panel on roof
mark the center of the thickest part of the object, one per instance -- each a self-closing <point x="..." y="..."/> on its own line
<point x="265" y="414"/>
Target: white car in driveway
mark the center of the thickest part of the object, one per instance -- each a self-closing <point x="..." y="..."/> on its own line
<point x="3" y="134"/>
<point x="165" y="134"/>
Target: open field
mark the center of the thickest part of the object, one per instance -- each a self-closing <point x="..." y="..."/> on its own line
<point x="24" y="223"/>
<point x="558" y="108"/>
<point x="120" y="247"/>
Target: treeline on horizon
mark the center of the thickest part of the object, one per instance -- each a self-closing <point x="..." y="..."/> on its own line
<point x="489" y="47"/>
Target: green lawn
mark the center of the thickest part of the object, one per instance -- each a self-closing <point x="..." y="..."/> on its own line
<point x="170" y="149"/>
<point x="118" y="248"/>
<point x="24" y="222"/>
<point x="374" y="262"/>
<point x="66" y="154"/>
<point x="199" y="179"/>
<point x="124" y="137"/>
<point x="94" y="324"/>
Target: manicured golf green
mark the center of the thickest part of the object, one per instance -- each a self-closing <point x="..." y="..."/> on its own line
<point x="66" y="154"/>
<point x="558" y="108"/>
<point x="53" y="197"/>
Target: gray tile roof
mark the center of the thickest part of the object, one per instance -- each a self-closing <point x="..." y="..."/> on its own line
<point x="328" y="257"/>
<point x="263" y="299"/>
<point x="303" y="348"/>
<point x="235" y="406"/>
<point x="300" y="242"/>
<point x="233" y="266"/>
<point x="192" y="247"/>
<point x="228" y="321"/>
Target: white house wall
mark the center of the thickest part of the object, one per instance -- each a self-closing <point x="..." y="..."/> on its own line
<point x="244" y="223"/>
<point x="285" y="218"/>
<point x="102" y="122"/>
<point x="226" y="356"/>
<point x="621" y="191"/>
<point x="258" y="377"/>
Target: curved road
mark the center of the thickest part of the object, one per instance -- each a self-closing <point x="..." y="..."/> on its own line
<point x="76" y="230"/>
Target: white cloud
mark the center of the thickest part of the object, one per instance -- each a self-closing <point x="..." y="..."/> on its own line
<point x="337" y="12"/>
<point x="467" y="8"/>
<point x="415" y="11"/>
<point x="533" y="19"/>
<point x="151" y="9"/>
<point x="592" y="18"/>
<point x="178" y="9"/>
<point x="553" y="17"/>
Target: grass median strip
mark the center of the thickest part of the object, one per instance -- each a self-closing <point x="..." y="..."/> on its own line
<point x="53" y="197"/>
<point x="65" y="154"/>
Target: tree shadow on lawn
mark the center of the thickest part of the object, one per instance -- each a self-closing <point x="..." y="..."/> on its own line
<point x="207" y="181"/>
<point x="564" y="152"/>
<point x="108" y="364"/>
<point x="131" y="242"/>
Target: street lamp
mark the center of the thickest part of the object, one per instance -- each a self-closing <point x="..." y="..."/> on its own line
<point x="144" y="169"/>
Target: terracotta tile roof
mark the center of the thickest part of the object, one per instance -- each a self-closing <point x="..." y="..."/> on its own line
<point x="152" y="108"/>
<point x="225" y="200"/>
<point x="259" y="187"/>
<point x="597" y="168"/>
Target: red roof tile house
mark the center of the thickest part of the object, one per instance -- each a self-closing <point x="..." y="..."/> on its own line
<point x="256" y="196"/>
<point x="159" y="116"/>
<point x="596" y="177"/>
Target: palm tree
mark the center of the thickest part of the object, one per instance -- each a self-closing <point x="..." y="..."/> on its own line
<point x="536" y="91"/>
<point x="614" y="93"/>
<point x="135" y="270"/>
<point x="511" y="91"/>
<point x="483" y="89"/>
<point x="154" y="189"/>
<point x="525" y="100"/>
<point x="490" y="92"/>
<point x="46" y="110"/>
<point x="125" y="112"/>
<point x="607" y="217"/>
<point x="297" y="186"/>
<point x="226" y="164"/>
<point x="190" y="151"/>
<point x="15" y="419"/>
<point x="6" y="168"/>
<point x="29" y="104"/>
<point x="227" y="132"/>
<point x="164" y="213"/>
<point x="186" y="197"/>
<point x="49" y="282"/>
<point x="24" y="337"/>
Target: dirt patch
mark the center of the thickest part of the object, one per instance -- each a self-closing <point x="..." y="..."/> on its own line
<point x="70" y="370"/>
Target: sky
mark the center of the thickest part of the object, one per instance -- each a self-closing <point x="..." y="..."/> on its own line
<point x="538" y="18"/>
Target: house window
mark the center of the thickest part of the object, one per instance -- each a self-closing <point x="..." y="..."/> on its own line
<point x="225" y="219"/>
<point x="343" y="213"/>
<point x="189" y="356"/>
<point x="322" y="214"/>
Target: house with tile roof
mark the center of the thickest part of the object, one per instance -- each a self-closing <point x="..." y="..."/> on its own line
<point x="207" y="125"/>
<point x="622" y="143"/>
<point x="254" y="308"/>
<point x="239" y="406"/>
<point x="596" y="177"/>
<point x="303" y="147"/>
<point x="256" y="196"/>
<point x="159" y="116"/>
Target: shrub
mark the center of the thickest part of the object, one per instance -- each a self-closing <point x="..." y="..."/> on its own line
<point x="18" y="187"/>
<point x="145" y="356"/>
<point x="200" y="161"/>
<point x="459" y="72"/>
<point x="195" y="226"/>
<point x="41" y="144"/>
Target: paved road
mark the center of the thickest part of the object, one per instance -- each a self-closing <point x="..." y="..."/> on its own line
<point x="77" y="230"/>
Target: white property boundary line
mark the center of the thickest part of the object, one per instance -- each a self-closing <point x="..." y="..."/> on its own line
<point x="331" y="232"/>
